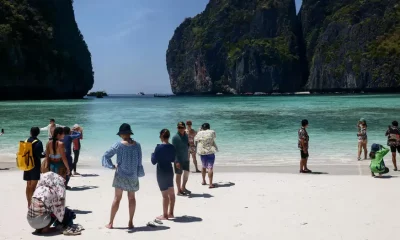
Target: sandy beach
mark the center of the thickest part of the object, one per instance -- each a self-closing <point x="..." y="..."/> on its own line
<point x="247" y="205"/>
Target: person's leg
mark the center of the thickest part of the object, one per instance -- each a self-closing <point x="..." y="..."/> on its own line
<point x="394" y="161"/>
<point x="365" y="150"/>
<point x="171" y="197"/>
<point x="195" y="162"/>
<point x="76" y="158"/>
<point x="210" y="177"/>
<point x="305" y="164"/>
<point x="359" y="151"/>
<point x="203" y="175"/>
<point x="132" y="208"/>
<point x="165" y="203"/>
<point x="178" y="179"/>
<point x="185" y="179"/>
<point x="115" y="206"/>
<point x="30" y="189"/>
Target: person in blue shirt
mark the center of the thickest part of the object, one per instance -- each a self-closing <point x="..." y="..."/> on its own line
<point x="164" y="156"/>
<point x="68" y="138"/>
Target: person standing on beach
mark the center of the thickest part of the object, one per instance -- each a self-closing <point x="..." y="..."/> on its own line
<point x="206" y="148"/>
<point x="182" y="164"/>
<point x="33" y="176"/>
<point x="68" y="138"/>
<point x="393" y="135"/>
<point x="2" y="132"/>
<point x="192" y="148"/>
<point x="127" y="171"/>
<point x="377" y="163"/>
<point x="77" y="146"/>
<point x="50" y="128"/>
<point x="164" y="156"/>
<point x="303" y="146"/>
<point x="362" y="138"/>
<point x="55" y="154"/>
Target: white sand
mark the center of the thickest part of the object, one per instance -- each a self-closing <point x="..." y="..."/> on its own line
<point x="258" y="206"/>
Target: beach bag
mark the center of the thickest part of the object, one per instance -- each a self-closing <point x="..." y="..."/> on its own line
<point x="25" y="160"/>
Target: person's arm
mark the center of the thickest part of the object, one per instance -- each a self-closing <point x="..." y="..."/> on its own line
<point x="61" y="149"/>
<point x="58" y="125"/>
<point x="387" y="133"/>
<point x="75" y="135"/>
<point x="173" y="156"/>
<point x="39" y="149"/>
<point x="154" y="156"/>
<point x="139" y="155"/>
<point x="45" y="128"/>
<point x="106" y="160"/>
<point x="175" y="142"/>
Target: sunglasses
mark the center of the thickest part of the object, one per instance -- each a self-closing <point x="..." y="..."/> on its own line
<point x="181" y="127"/>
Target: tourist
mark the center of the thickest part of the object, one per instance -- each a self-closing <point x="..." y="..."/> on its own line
<point x="128" y="170"/>
<point x="206" y="148"/>
<point x="163" y="156"/>
<point x="393" y="134"/>
<point x="377" y="164"/>
<point x="181" y="144"/>
<point x="67" y="140"/>
<point x="50" y="128"/>
<point x="32" y="176"/>
<point x="2" y="132"/>
<point x="77" y="146"/>
<point x="192" y="148"/>
<point x="362" y="138"/>
<point x="303" y="146"/>
<point x="55" y="154"/>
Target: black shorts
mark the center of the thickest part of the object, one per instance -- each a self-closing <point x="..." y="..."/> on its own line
<point x="185" y="166"/>
<point x="303" y="154"/>
<point x="165" y="180"/>
<point x="393" y="149"/>
<point x="33" y="175"/>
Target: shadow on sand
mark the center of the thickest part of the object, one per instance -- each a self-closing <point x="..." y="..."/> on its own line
<point x="222" y="185"/>
<point x="82" y="188"/>
<point x="317" y="173"/>
<point x="187" y="219"/>
<point x="202" y="195"/>
<point x="54" y="232"/>
<point x="90" y="175"/>
<point x="143" y="229"/>
<point x="385" y="177"/>
<point x="3" y="169"/>
<point x="81" y="211"/>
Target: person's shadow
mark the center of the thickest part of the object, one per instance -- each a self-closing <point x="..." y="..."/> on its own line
<point x="198" y="195"/>
<point x="222" y="185"/>
<point x="82" y="188"/>
<point x="144" y="229"/>
<point x="90" y="175"/>
<point x="81" y="211"/>
<point x="3" y="169"/>
<point x="187" y="219"/>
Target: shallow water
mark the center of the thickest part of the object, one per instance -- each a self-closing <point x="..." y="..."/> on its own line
<point x="250" y="130"/>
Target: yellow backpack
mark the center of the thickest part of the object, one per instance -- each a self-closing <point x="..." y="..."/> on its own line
<point x="25" y="160"/>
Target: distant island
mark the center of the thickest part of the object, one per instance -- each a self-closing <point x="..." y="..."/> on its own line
<point x="98" y="94"/>
<point x="42" y="52"/>
<point x="263" y="46"/>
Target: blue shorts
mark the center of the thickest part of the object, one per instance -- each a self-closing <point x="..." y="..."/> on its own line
<point x="208" y="161"/>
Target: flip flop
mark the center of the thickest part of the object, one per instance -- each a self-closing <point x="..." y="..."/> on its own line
<point x="204" y="183"/>
<point x="151" y="224"/>
<point x="158" y="221"/>
<point x="182" y="194"/>
<point x="212" y="186"/>
<point x="187" y="191"/>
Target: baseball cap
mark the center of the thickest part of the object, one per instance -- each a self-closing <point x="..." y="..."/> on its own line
<point x="375" y="147"/>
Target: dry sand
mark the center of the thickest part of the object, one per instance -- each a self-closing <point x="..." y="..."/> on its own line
<point x="248" y="205"/>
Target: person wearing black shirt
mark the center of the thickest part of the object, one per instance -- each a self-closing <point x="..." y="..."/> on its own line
<point x="33" y="176"/>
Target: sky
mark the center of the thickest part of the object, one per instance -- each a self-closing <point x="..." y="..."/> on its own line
<point x="128" y="40"/>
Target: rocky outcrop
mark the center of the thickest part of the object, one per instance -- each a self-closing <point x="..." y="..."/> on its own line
<point x="42" y="52"/>
<point x="352" y="45"/>
<point x="237" y="46"/>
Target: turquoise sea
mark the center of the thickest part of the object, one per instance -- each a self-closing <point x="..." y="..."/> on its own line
<point x="250" y="130"/>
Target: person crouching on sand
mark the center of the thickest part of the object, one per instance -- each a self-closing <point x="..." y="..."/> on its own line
<point x="164" y="156"/>
<point x="127" y="172"/>
<point x="206" y="148"/>
<point x="377" y="164"/>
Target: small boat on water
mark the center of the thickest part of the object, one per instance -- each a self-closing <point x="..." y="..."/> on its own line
<point x="260" y="94"/>
<point x="219" y="94"/>
<point x="248" y="94"/>
<point x="161" y="95"/>
<point x="301" y="93"/>
<point x="141" y="93"/>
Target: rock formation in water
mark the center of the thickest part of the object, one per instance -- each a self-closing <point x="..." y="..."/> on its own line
<point x="237" y="46"/>
<point x="42" y="52"/>
<point x="352" y="44"/>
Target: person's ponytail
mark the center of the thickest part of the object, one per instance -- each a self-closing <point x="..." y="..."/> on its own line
<point x="57" y="131"/>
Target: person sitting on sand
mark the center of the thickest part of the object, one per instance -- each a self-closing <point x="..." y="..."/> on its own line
<point x="163" y="156"/>
<point x="182" y="164"/>
<point x="55" y="154"/>
<point x="303" y="146"/>
<point x="50" y="128"/>
<point x="77" y="146"/>
<point x="377" y="164"/>
<point x="128" y="170"/>
<point x="206" y="148"/>
<point x="362" y="138"/>
<point x="192" y="148"/>
<point x="32" y="176"/>
<point x="393" y="135"/>
<point x="67" y="140"/>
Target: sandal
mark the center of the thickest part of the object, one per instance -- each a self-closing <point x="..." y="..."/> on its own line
<point x="71" y="232"/>
<point x="158" y="221"/>
<point x="212" y="186"/>
<point x="203" y="183"/>
<point x="187" y="191"/>
<point x="151" y="224"/>
<point x="180" y="193"/>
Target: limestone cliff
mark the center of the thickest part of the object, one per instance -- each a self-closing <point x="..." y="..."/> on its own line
<point x="42" y="52"/>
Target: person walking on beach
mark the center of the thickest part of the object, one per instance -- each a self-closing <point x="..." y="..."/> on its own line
<point x="362" y="138"/>
<point x="50" y="128"/>
<point x="55" y="154"/>
<point x="67" y="140"/>
<point x="127" y="171"/>
<point x="377" y="164"/>
<point x="182" y="164"/>
<point x="77" y="146"/>
<point x="393" y="135"/>
<point x="206" y="148"/>
<point x="192" y="148"/>
<point x="2" y="132"/>
<point x="303" y="146"/>
<point x="33" y="176"/>
<point x="164" y="156"/>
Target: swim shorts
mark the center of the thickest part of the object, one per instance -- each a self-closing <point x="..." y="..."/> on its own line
<point x="303" y="154"/>
<point x="393" y="149"/>
<point x="185" y="166"/>
<point x="207" y="161"/>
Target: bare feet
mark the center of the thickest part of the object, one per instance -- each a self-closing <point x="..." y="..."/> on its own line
<point x="109" y="226"/>
<point x="171" y="215"/>
<point x="162" y="217"/>
<point x="130" y="225"/>
<point x="203" y="183"/>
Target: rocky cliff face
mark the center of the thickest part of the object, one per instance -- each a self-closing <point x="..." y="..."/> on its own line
<point x="352" y="44"/>
<point x="42" y="53"/>
<point x="237" y="46"/>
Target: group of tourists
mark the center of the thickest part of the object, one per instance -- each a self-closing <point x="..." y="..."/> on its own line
<point x="45" y="193"/>
<point x="128" y="169"/>
<point x="376" y="154"/>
